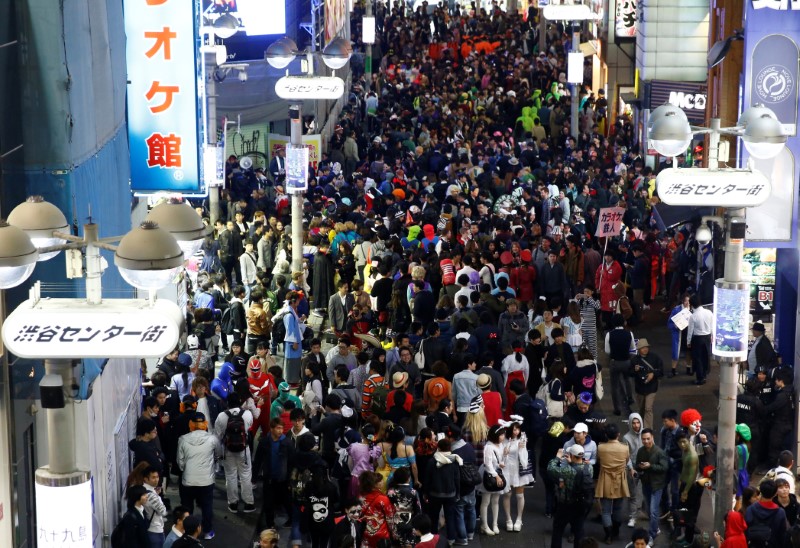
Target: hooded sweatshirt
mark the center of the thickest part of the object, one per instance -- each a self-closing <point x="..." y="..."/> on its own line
<point x="734" y="531"/>
<point x="196" y="453"/>
<point x="431" y="239"/>
<point x="443" y="477"/>
<point x="633" y="439"/>
<point x="769" y="513"/>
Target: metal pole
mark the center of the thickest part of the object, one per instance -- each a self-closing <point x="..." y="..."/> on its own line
<point x="6" y="443"/>
<point x="211" y="95"/>
<point x="542" y="32"/>
<point x="726" y="436"/>
<point x="368" y="51"/>
<point x="61" y="423"/>
<point x="576" y="88"/>
<point x="94" y="269"/>
<point x="296" y="136"/>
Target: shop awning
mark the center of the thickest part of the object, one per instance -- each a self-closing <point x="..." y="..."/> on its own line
<point x="631" y="99"/>
<point x="668" y="216"/>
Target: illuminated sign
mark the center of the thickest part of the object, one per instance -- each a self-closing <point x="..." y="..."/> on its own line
<point x="64" y="516"/>
<point x="368" y="30"/>
<point x="781" y="5"/>
<point x="721" y="188"/>
<point x="625" y="24"/>
<point x="67" y="328"/>
<point x="687" y="101"/>
<point x="730" y="320"/>
<point x="568" y="12"/>
<point x="299" y="88"/>
<point x="296" y="169"/>
<point x="162" y="95"/>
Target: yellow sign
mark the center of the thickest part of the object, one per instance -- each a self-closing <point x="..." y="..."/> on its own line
<point x="313" y="142"/>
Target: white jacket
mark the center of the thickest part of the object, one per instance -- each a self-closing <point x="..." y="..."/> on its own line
<point x="196" y="453"/>
<point x="154" y="507"/>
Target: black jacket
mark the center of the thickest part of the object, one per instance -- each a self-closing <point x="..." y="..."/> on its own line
<point x="442" y="482"/>
<point x="134" y="526"/>
<point x="330" y="429"/>
<point x="262" y="463"/>
<point x="147" y="451"/>
<point x="187" y="541"/>
<point x="649" y="364"/>
<point x="781" y="408"/>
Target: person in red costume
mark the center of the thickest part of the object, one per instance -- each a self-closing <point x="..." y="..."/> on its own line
<point x="377" y="511"/>
<point x="607" y="276"/>
<point x="262" y="384"/>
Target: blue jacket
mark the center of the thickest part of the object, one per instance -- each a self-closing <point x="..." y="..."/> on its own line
<point x="294" y="334"/>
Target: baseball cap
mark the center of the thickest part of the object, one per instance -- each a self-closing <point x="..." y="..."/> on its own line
<point x="575" y="450"/>
<point x="581" y="427"/>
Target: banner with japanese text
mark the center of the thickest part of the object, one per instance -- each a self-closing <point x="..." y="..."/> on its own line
<point x="313" y="142"/>
<point x="162" y="98"/>
<point x="609" y="222"/>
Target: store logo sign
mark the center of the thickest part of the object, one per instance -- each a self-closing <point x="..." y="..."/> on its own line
<point x="780" y="5"/>
<point x="774" y="83"/>
<point x="688" y="101"/>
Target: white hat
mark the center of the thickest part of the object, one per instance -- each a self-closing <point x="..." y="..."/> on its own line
<point x="575" y="450"/>
<point x="192" y="342"/>
<point x="581" y="427"/>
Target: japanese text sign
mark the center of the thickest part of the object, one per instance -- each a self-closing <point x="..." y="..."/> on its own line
<point x="69" y="328"/>
<point x="625" y="26"/>
<point x="309" y="87"/>
<point x="609" y="222"/>
<point x="162" y="95"/>
<point x="721" y="188"/>
<point x="64" y="516"/>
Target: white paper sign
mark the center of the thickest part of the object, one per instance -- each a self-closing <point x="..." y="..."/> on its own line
<point x="681" y="319"/>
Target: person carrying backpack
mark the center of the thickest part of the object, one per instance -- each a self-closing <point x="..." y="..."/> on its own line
<point x="574" y="490"/>
<point x="766" y="521"/>
<point x="376" y="391"/>
<point x="231" y="429"/>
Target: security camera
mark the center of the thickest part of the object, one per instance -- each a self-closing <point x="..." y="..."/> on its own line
<point x="242" y="76"/>
<point x="703" y="235"/>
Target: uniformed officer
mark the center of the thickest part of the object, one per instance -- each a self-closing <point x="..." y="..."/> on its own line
<point x="780" y="412"/>
<point x="750" y="411"/>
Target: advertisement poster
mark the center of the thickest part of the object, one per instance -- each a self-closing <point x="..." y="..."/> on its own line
<point x="296" y="169"/>
<point x="731" y="318"/>
<point x="759" y="267"/>
<point x="335" y="13"/>
<point x="313" y="142"/>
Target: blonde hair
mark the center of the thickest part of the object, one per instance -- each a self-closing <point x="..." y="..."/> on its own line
<point x="477" y="425"/>
<point x="269" y="534"/>
<point x="418" y="273"/>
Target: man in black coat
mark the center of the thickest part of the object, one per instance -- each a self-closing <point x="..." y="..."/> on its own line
<point x="322" y="277"/>
<point x="646" y="368"/>
<point x="780" y="412"/>
<point x="133" y="528"/>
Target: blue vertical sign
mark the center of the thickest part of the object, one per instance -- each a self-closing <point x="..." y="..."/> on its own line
<point x="162" y="95"/>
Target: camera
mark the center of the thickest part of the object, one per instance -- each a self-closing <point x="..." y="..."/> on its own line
<point x="635" y="474"/>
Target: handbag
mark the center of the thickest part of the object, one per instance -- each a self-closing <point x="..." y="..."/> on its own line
<point x="598" y="383"/>
<point x="419" y="357"/>
<point x="490" y="482"/>
<point x="555" y="408"/>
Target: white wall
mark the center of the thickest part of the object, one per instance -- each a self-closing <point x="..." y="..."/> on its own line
<point x="672" y="40"/>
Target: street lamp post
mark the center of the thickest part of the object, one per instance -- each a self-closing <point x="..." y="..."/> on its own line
<point x="279" y="54"/>
<point x="670" y="135"/>
<point x="148" y="258"/>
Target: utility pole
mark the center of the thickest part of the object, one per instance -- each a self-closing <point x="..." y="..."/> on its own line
<point x="211" y="95"/>
<point x="576" y="88"/>
<point x="296" y="140"/>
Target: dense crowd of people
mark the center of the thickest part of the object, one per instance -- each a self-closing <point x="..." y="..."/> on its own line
<point x="452" y="259"/>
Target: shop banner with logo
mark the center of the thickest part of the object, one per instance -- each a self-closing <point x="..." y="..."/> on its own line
<point x="772" y="35"/>
<point x="163" y="120"/>
<point x="759" y="265"/>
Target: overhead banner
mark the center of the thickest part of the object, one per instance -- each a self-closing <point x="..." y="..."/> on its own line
<point x="335" y="14"/>
<point x="163" y="120"/>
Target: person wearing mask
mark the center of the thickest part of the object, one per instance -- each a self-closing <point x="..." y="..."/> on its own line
<point x="619" y="347"/>
<point x="651" y="465"/>
<point x="698" y="339"/>
<point x="646" y="369"/>
<point x="197" y="452"/>
<point x="179" y="514"/>
<point x="231" y="431"/>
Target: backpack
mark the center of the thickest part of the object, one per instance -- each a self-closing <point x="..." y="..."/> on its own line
<point x="235" y="433"/>
<point x="537" y="417"/>
<point x="579" y="494"/>
<point x="226" y="322"/>
<point x="377" y="404"/>
<point x="758" y="534"/>
<point x="470" y="477"/>
<point x="270" y="301"/>
<point x="278" y="330"/>
<point x="118" y="536"/>
<point x="298" y="485"/>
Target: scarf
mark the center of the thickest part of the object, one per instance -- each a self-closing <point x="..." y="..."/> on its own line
<point x="443" y="458"/>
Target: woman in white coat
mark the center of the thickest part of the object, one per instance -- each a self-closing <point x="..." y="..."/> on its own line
<point x="494" y="463"/>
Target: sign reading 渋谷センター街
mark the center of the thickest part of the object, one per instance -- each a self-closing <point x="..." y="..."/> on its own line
<point x="721" y="188"/>
<point x="162" y="95"/>
<point x="67" y="328"/>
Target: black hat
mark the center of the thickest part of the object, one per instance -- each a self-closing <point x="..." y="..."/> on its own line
<point x="758" y="326"/>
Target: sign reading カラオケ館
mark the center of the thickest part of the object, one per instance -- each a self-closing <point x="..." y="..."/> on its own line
<point x="162" y="95"/>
